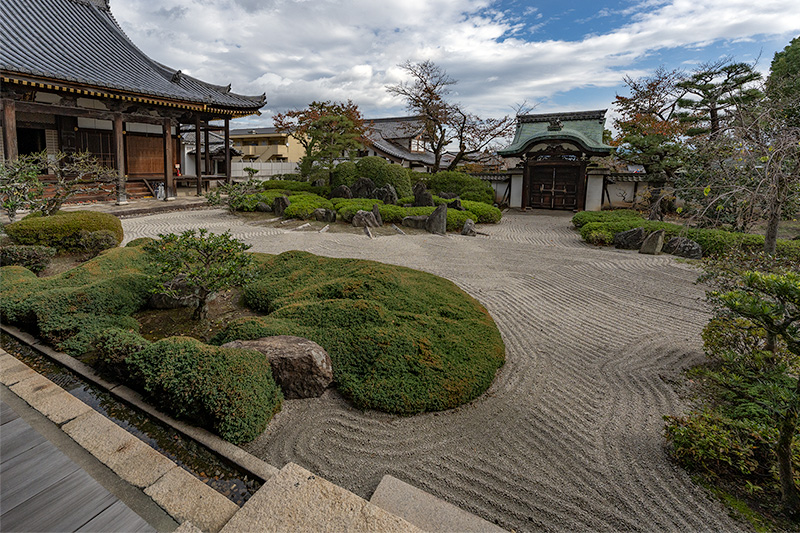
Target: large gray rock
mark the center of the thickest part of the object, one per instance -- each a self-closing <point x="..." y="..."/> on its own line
<point x="262" y="207"/>
<point x="342" y="191"/>
<point x="376" y="212"/>
<point x="279" y="205"/>
<point x="416" y="221"/>
<point x="653" y="243"/>
<point x="318" y="183"/>
<point x="447" y="195"/>
<point x="387" y="194"/>
<point x="422" y="197"/>
<point x="301" y="367"/>
<point x="363" y="188"/>
<point x="456" y="204"/>
<point x="437" y="221"/>
<point x="364" y="219"/>
<point x="324" y="215"/>
<point x="469" y="228"/>
<point x="683" y="247"/>
<point x="631" y="239"/>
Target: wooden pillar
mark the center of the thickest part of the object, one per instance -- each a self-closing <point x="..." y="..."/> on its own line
<point x="526" y="180"/>
<point x="169" y="174"/>
<point x="197" y="153"/>
<point x="227" y="151"/>
<point x="10" y="130"/>
<point x="119" y="148"/>
<point x="207" y="144"/>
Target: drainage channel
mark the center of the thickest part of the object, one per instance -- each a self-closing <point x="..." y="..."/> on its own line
<point x="186" y="453"/>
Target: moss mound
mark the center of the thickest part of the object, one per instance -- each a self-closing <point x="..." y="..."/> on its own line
<point x="62" y="231"/>
<point x="401" y="340"/>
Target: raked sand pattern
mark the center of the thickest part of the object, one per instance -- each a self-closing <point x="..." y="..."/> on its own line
<point x="570" y="435"/>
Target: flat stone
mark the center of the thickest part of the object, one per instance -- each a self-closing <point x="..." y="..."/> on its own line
<point x="12" y="370"/>
<point x="653" y="243"/>
<point x="188" y="527"/>
<point x="187" y="498"/>
<point x="49" y="399"/>
<point x="426" y="511"/>
<point x="99" y="436"/>
<point x="139" y="464"/>
<point x="630" y="240"/>
<point x="683" y="247"/>
<point x="415" y="221"/>
<point x="297" y="500"/>
<point x="364" y="219"/>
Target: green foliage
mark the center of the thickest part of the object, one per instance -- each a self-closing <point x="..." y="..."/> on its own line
<point x="401" y="340"/>
<point x="141" y="241"/>
<point x="783" y="83"/>
<point x="202" y="261"/>
<point x="615" y="215"/>
<point x="371" y="167"/>
<point x="248" y="202"/>
<point x="346" y="208"/>
<point x="20" y="187"/>
<point x="62" y="231"/>
<point x="381" y="172"/>
<point x="345" y="173"/>
<point x="465" y="186"/>
<point x="70" y="309"/>
<point x="303" y="205"/>
<point x="75" y="173"/>
<point x="94" y="242"/>
<point x="287" y="185"/>
<point x="34" y="258"/>
<point x="395" y="213"/>
<point x="485" y="213"/>
<point x="230" y="392"/>
<point x="114" y="346"/>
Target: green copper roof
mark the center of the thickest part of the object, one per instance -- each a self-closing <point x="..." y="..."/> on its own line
<point x="584" y="128"/>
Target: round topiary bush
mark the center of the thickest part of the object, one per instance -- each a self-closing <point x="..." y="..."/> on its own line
<point x="228" y="391"/>
<point x="401" y="340"/>
<point x="345" y="173"/>
<point x="465" y="186"/>
<point x="371" y="167"/>
<point x="62" y="231"/>
<point x="397" y="176"/>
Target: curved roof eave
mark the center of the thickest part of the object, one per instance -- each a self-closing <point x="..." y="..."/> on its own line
<point x="520" y="147"/>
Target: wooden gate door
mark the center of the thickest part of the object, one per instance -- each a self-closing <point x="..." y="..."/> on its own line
<point x="554" y="187"/>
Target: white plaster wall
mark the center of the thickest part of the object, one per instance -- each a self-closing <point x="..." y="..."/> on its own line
<point x="594" y="193"/>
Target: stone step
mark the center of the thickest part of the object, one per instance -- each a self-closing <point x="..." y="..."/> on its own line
<point x="297" y="500"/>
<point x="426" y="511"/>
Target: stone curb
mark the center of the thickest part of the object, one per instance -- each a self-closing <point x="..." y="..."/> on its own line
<point x="247" y="462"/>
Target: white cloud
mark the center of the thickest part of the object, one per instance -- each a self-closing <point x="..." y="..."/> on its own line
<point x="299" y="50"/>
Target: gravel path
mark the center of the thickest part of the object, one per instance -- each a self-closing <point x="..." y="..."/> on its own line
<point x="569" y="437"/>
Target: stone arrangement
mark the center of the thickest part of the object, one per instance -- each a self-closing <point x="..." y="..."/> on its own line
<point x="653" y="243"/>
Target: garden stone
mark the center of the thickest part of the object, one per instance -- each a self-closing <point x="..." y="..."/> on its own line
<point x="456" y="204"/>
<point x="363" y="188"/>
<point x="263" y="207"/>
<point x="376" y="212"/>
<point x="301" y="367"/>
<point x="324" y="215"/>
<point x="387" y="194"/>
<point x="469" y="228"/>
<point x="630" y="240"/>
<point x="416" y="222"/>
<point x="683" y="247"/>
<point x="280" y="204"/>
<point x="437" y="221"/>
<point x="653" y="243"/>
<point x="422" y="197"/>
<point x="318" y="183"/>
<point x="364" y="219"/>
<point x="447" y="195"/>
<point x="342" y="191"/>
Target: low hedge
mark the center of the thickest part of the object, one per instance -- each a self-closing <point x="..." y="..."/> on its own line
<point x="713" y="241"/>
<point x="248" y="202"/>
<point x="615" y="215"/>
<point x="303" y="205"/>
<point x="34" y="258"/>
<point x="228" y="391"/>
<point x="401" y="340"/>
<point x="485" y="213"/>
<point x="62" y="231"/>
<point x="346" y="209"/>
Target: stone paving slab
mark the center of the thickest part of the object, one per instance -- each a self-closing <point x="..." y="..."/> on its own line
<point x="49" y="399"/>
<point x="188" y="499"/>
<point x="12" y="370"/>
<point x="297" y="500"/>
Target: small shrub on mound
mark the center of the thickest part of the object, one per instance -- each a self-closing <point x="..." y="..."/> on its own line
<point x="248" y="202"/>
<point x="141" y="241"/>
<point x="345" y="173"/>
<point x="303" y="205"/>
<point x="62" y="231"/>
<point x="465" y="186"/>
<point x="114" y="346"/>
<point x="345" y="208"/>
<point x="286" y="185"/>
<point x="94" y="242"/>
<point x="401" y="340"/>
<point x="70" y="309"/>
<point x="230" y="392"/>
<point x="615" y="215"/>
<point x="34" y="258"/>
<point x="487" y="214"/>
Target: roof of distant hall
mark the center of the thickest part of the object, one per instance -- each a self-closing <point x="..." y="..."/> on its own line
<point x="386" y="133"/>
<point x="80" y="42"/>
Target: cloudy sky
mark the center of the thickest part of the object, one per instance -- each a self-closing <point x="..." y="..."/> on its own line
<point x="559" y="55"/>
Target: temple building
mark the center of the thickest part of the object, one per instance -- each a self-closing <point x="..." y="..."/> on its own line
<point x="72" y="81"/>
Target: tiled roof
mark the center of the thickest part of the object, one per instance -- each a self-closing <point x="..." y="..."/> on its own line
<point x="79" y="41"/>
<point x="254" y="131"/>
<point x="384" y="133"/>
<point x="583" y="127"/>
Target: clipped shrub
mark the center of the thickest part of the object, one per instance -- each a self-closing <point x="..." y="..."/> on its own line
<point x="303" y="205"/>
<point x="400" y="340"/>
<point x="614" y="215"/>
<point x="371" y="167"/>
<point x="345" y="173"/>
<point x="230" y="392"/>
<point x="487" y="214"/>
<point x="465" y="186"/>
<point x="346" y="208"/>
<point x="141" y="241"/>
<point x="286" y="185"/>
<point x="34" y="258"/>
<point x="62" y="231"/>
<point x="397" y="176"/>
<point x="114" y="346"/>
<point x="94" y="242"/>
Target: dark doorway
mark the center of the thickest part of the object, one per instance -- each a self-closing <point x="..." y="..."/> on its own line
<point x="30" y="141"/>
<point x="554" y="187"/>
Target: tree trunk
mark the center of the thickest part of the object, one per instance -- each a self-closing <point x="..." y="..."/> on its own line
<point x="201" y="311"/>
<point x="789" y="499"/>
<point x="771" y="235"/>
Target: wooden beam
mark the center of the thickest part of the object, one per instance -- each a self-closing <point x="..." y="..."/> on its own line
<point x="169" y="174"/>
<point x="227" y="151"/>
<point x="119" y="145"/>
<point x="197" y="155"/>
<point x="10" y="130"/>
<point x="53" y="109"/>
